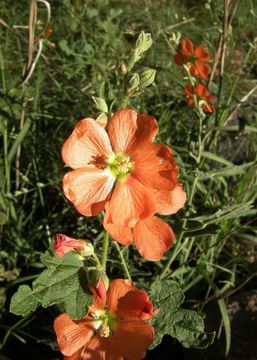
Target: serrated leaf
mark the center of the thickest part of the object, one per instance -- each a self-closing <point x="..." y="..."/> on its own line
<point x="24" y="301"/>
<point x="186" y="326"/>
<point x="60" y="283"/>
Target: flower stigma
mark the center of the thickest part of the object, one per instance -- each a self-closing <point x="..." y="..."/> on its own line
<point x="104" y="322"/>
<point x="119" y="165"/>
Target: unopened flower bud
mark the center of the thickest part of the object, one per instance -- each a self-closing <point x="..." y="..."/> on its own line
<point x="100" y="104"/>
<point x="144" y="42"/>
<point x="133" y="82"/>
<point x="123" y="68"/>
<point x="64" y="244"/>
<point x="147" y="78"/>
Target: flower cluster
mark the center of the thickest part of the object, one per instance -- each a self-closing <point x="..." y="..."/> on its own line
<point x="196" y="60"/>
<point x="117" y="168"/>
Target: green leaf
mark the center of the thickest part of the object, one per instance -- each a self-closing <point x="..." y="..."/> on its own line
<point x="24" y="301"/>
<point x="186" y="326"/>
<point x="228" y="212"/>
<point x="228" y="171"/>
<point x="60" y="283"/>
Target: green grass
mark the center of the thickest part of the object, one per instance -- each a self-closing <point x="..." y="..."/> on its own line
<point x="214" y="253"/>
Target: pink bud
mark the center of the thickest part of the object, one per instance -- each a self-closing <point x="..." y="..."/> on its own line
<point x="64" y="244"/>
<point x="101" y="289"/>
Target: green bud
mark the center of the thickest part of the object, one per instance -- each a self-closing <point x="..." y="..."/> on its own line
<point x="100" y="104"/>
<point x="147" y="78"/>
<point x="88" y="249"/>
<point x="102" y="118"/>
<point x="144" y="42"/>
<point x="133" y="82"/>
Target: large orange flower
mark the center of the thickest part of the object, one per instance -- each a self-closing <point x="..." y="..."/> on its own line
<point x="115" y="327"/>
<point x="120" y="167"/>
<point x="197" y="58"/>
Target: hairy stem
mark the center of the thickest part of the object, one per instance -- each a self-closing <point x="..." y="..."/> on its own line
<point x="105" y="250"/>
<point x="123" y="262"/>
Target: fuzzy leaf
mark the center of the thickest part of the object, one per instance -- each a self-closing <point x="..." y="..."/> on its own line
<point x="186" y="326"/>
<point x="60" y="283"/>
<point x="24" y="301"/>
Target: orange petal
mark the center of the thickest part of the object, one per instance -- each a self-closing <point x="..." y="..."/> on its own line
<point x="100" y="348"/>
<point x="189" y="90"/>
<point x="133" y="336"/>
<point x="187" y="47"/>
<point x="75" y="356"/>
<point x="135" y="303"/>
<point x="202" y="70"/>
<point x="179" y="59"/>
<point x="87" y="146"/>
<point x="193" y="70"/>
<point x="155" y="167"/>
<point x="117" y="289"/>
<point x="201" y="53"/>
<point x="122" y="128"/>
<point x="72" y="335"/>
<point x="170" y="202"/>
<point x="119" y="233"/>
<point x="200" y="90"/>
<point x="147" y="130"/>
<point x="130" y="202"/>
<point x="86" y="188"/>
<point x="152" y="238"/>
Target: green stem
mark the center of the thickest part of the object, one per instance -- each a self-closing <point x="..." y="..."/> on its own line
<point x="123" y="262"/>
<point x="105" y="250"/>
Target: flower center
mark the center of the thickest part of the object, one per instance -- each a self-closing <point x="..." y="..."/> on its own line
<point x="104" y="322"/>
<point x="119" y="165"/>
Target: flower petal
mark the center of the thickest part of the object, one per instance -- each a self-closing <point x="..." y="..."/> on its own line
<point x="155" y="167"/>
<point x="202" y="69"/>
<point x="119" y="233"/>
<point x="117" y="289"/>
<point x="179" y="59"/>
<point x="170" y="202"/>
<point x="133" y="337"/>
<point x="100" y="348"/>
<point x="201" y="53"/>
<point x="147" y="129"/>
<point x="152" y="238"/>
<point x="200" y="90"/>
<point x="188" y="89"/>
<point x="86" y="188"/>
<point x="122" y="128"/>
<point x="187" y="47"/>
<point x="135" y="303"/>
<point x="75" y="356"/>
<point x="87" y="146"/>
<point x="130" y="202"/>
<point x="72" y="335"/>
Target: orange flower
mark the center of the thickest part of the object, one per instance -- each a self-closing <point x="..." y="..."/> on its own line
<point x="64" y="244"/>
<point x="202" y="97"/>
<point x="196" y="57"/>
<point x="114" y="328"/>
<point x="121" y="168"/>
